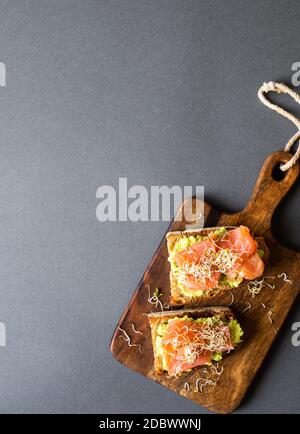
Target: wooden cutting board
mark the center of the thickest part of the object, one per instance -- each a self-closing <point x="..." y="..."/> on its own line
<point x="260" y="326"/>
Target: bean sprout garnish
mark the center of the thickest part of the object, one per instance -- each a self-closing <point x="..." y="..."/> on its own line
<point x="127" y="339"/>
<point x="186" y="387"/>
<point x="270" y="313"/>
<point x="136" y="331"/>
<point x="247" y="308"/>
<point x="154" y="299"/>
<point x="285" y="278"/>
<point x="232" y="299"/>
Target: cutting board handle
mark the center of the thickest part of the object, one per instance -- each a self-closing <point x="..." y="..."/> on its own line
<point x="271" y="187"/>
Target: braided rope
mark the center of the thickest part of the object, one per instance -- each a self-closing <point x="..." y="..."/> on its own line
<point x="272" y="86"/>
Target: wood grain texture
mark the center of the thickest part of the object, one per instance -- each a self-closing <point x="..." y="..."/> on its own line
<point x="241" y="366"/>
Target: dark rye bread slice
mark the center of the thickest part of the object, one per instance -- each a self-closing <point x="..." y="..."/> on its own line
<point x="177" y="297"/>
<point x="155" y="319"/>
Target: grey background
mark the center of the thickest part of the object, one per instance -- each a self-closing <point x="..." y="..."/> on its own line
<point x="161" y="92"/>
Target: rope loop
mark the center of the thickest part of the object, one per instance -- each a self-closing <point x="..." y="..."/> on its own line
<point x="272" y="86"/>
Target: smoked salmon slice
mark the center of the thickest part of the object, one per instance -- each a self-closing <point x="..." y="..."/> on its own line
<point x="252" y="267"/>
<point x="239" y="240"/>
<point x="232" y="256"/>
<point x="195" y="252"/>
<point x="188" y="344"/>
<point x="193" y="261"/>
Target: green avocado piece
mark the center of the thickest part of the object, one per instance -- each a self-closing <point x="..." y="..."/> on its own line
<point x="220" y="232"/>
<point x="217" y="357"/>
<point x="236" y="332"/>
<point x="260" y="253"/>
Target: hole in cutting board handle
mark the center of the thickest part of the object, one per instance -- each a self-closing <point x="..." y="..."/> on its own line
<point x="278" y="174"/>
